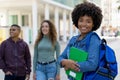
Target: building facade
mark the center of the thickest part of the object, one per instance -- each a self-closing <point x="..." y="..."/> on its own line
<point x="29" y="14"/>
<point x="111" y="17"/>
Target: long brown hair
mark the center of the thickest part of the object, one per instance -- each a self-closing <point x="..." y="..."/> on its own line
<point x="52" y="33"/>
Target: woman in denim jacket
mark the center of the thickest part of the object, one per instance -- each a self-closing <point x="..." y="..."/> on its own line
<point x="87" y="18"/>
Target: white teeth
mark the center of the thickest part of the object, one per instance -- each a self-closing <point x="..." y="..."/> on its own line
<point x="83" y="28"/>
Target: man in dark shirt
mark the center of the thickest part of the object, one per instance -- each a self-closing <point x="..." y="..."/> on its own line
<point x="15" y="58"/>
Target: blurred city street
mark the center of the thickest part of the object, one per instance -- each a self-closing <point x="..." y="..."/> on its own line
<point x="113" y="42"/>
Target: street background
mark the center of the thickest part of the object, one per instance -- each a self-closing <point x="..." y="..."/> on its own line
<point x="112" y="41"/>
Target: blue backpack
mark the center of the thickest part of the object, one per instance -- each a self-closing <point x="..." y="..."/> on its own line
<point x="107" y="66"/>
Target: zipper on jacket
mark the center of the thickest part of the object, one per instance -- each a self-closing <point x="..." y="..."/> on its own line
<point x="15" y="58"/>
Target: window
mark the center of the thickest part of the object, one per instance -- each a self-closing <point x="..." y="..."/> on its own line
<point x="13" y="19"/>
<point x="25" y="20"/>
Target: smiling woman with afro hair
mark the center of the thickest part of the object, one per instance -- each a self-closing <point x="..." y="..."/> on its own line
<point x="88" y="9"/>
<point x="87" y="18"/>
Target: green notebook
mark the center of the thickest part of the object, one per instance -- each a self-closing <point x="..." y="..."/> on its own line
<point x="78" y="56"/>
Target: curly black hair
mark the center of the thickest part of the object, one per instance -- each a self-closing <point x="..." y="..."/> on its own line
<point x="88" y="9"/>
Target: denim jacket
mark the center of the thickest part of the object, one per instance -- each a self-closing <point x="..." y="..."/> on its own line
<point x="92" y="47"/>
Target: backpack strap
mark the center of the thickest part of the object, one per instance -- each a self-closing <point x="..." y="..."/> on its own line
<point x="89" y="38"/>
<point x="102" y="53"/>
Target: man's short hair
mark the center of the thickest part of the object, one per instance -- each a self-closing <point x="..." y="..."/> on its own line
<point x="15" y="25"/>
